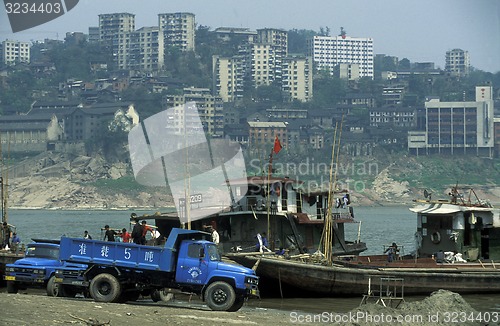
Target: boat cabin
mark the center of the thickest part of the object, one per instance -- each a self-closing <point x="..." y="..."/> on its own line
<point x="458" y="226"/>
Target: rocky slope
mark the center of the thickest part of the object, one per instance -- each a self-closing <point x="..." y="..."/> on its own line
<point x="79" y="182"/>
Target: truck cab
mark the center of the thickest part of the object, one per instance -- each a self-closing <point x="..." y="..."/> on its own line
<point x="37" y="268"/>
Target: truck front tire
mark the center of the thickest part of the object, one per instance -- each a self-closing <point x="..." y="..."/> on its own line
<point x="238" y="303"/>
<point x="53" y="289"/>
<point x="220" y="296"/>
<point x="105" y="288"/>
<point x="12" y="287"/>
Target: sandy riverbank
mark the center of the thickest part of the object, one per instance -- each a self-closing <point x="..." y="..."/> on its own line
<point x="441" y="308"/>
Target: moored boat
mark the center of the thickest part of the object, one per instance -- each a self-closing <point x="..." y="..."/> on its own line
<point x="456" y="251"/>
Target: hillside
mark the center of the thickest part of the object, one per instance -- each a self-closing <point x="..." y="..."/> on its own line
<point x="79" y="182"/>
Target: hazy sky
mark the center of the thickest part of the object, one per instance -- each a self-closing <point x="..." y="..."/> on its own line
<point x="420" y="30"/>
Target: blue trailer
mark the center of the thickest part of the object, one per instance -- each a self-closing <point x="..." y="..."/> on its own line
<point x="119" y="272"/>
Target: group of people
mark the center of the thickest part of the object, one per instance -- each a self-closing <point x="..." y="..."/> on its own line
<point x="8" y="239"/>
<point x="138" y="235"/>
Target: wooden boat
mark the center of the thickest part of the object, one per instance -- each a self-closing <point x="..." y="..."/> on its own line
<point x="452" y="228"/>
<point x="293" y="218"/>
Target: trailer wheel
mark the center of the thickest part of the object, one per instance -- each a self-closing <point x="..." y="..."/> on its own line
<point x="238" y="303"/>
<point x="105" y="288"/>
<point x="12" y="287"/>
<point x="220" y="296"/>
<point x="54" y="289"/>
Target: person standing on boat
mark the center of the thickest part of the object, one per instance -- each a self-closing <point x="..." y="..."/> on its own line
<point x="109" y="234"/>
<point x="392" y="252"/>
<point x="137" y="233"/>
<point x="86" y="235"/>
<point x="125" y="236"/>
<point x="145" y="229"/>
<point x="6" y="235"/>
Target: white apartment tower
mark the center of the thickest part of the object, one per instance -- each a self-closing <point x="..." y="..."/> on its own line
<point x="457" y="62"/>
<point x="143" y="51"/>
<point x="15" y="52"/>
<point x="114" y="31"/>
<point x="297" y="78"/>
<point x="330" y="51"/>
<point x="228" y="76"/>
<point x="178" y="30"/>
<point x="110" y="25"/>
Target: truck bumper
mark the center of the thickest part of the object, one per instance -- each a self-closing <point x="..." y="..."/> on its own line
<point x="73" y="282"/>
<point x="24" y="279"/>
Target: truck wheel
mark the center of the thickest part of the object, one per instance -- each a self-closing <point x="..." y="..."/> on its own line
<point x="238" y="303"/>
<point x="155" y="296"/>
<point x="11" y="287"/>
<point x="220" y="296"/>
<point x="105" y="288"/>
<point x="54" y="289"/>
<point x="166" y="296"/>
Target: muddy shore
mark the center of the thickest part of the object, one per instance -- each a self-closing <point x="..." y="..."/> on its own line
<point x="35" y="308"/>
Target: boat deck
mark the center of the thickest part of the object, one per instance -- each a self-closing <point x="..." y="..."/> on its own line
<point x="380" y="262"/>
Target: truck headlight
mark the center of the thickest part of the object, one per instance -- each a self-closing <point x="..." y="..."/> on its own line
<point x="251" y="280"/>
<point x="9" y="269"/>
<point x="38" y="271"/>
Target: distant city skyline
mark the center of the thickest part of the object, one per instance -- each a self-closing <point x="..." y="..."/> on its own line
<point x="421" y="31"/>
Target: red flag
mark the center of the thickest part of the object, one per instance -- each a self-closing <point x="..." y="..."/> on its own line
<point x="277" y="145"/>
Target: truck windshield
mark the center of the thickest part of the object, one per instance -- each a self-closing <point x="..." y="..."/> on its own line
<point x="42" y="252"/>
<point x="213" y="253"/>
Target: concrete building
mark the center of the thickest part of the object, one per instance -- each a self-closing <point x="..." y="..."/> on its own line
<point x="297" y="79"/>
<point x="228" y="34"/>
<point x="330" y="51"/>
<point x="110" y="25"/>
<point x="228" y="74"/>
<point x="210" y="108"/>
<point x="177" y="30"/>
<point x="392" y="116"/>
<point x="347" y="71"/>
<point x="262" y="134"/>
<point x="144" y="49"/>
<point x="457" y="128"/>
<point x="276" y="37"/>
<point x="457" y="62"/>
<point x="114" y="32"/>
<point x="13" y="52"/>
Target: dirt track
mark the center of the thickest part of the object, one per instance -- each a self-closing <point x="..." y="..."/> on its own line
<point x="37" y="309"/>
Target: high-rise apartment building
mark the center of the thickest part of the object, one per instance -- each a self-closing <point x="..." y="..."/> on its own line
<point x="297" y="78"/>
<point x="15" y="52"/>
<point x="263" y="63"/>
<point x="178" y="30"/>
<point x="110" y="25"/>
<point x="114" y="32"/>
<point x="210" y="108"/>
<point x="330" y="51"/>
<point x="228" y="77"/>
<point x="457" y="62"/>
<point x="457" y="127"/>
<point x="144" y="49"/>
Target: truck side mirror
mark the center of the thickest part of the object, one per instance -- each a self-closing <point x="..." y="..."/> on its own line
<point x="202" y="253"/>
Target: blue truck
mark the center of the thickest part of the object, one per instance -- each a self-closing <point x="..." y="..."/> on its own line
<point x="37" y="269"/>
<point x="120" y="272"/>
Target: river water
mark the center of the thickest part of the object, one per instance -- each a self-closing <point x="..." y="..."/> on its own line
<point x="379" y="226"/>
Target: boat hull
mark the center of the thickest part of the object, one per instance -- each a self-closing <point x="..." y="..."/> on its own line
<point x="339" y="280"/>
